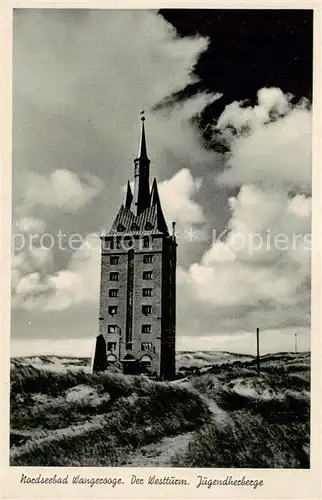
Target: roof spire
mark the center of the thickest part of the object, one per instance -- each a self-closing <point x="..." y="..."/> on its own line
<point x="143" y="152"/>
<point x="141" y="195"/>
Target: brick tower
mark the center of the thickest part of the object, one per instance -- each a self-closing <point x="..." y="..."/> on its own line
<point x="137" y="322"/>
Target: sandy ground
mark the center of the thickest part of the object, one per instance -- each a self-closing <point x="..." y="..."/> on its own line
<point x="160" y="454"/>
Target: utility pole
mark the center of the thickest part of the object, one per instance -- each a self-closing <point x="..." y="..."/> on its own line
<point x="258" y="362"/>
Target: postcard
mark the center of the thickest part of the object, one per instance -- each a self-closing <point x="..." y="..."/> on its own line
<point x="161" y="209"/>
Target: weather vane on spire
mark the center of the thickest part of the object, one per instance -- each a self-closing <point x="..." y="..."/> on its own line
<point x="142" y="113"/>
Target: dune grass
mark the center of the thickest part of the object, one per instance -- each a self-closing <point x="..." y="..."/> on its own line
<point x="267" y="424"/>
<point x="137" y="412"/>
<point x="249" y="441"/>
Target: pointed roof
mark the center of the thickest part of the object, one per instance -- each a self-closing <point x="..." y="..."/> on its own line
<point x="156" y="203"/>
<point x="154" y="194"/>
<point x="143" y="150"/>
<point x="149" y="222"/>
<point x="129" y="196"/>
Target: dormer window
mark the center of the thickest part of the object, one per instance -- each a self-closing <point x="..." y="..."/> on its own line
<point x="120" y="228"/>
<point x="134" y="227"/>
<point x="148" y="226"/>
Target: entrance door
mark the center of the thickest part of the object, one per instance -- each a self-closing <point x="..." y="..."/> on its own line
<point x="130" y="365"/>
<point x="145" y="364"/>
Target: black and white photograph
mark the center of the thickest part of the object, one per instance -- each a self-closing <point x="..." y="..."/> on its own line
<point x="161" y="239"/>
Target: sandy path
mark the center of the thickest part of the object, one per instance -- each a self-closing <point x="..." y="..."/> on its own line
<point x="220" y="416"/>
<point x="160" y="454"/>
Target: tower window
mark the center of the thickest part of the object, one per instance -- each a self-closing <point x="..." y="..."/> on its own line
<point x="114" y="260"/>
<point x="146" y="310"/>
<point x="147" y="275"/>
<point x="147" y="292"/>
<point x="146" y="242"/>
<point x="113" y="292"/>
<point x="118" y="243"/>
<point x="146" y="346"/>
<point x="114" y="276"/>
<point x="112" y="310"/>
<point x="147" y="259"/>
<point x="111" y="329"/>
<point x="146" y="329"/>
<point x="111" y="346"/>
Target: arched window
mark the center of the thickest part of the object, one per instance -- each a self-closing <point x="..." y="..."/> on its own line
<point x="129" y="242"/>
<point x="145" y="359"/>
<point x="111" y="358"/>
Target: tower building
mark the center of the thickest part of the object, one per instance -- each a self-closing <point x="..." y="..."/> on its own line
<point x="137" y="318"/>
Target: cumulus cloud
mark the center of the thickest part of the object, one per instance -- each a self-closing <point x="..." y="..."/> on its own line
<point x="79" y="283"/>
<point x="271" y="142"/>
<point x="272" y="102"/>
<point x="61" y="189"/>
<point x="257" y="271"/>
<point x="177" y="201"/>
<point x="29" y="225"/>
<point x="160" y="57"/>
<point x="76" y="285"/>
<point x="265" y="255"/>
<point x="92" y="114"/>
<point x="34" y="259"/>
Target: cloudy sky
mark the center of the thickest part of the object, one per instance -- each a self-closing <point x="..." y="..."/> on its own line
<point x="228" y="101"/>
